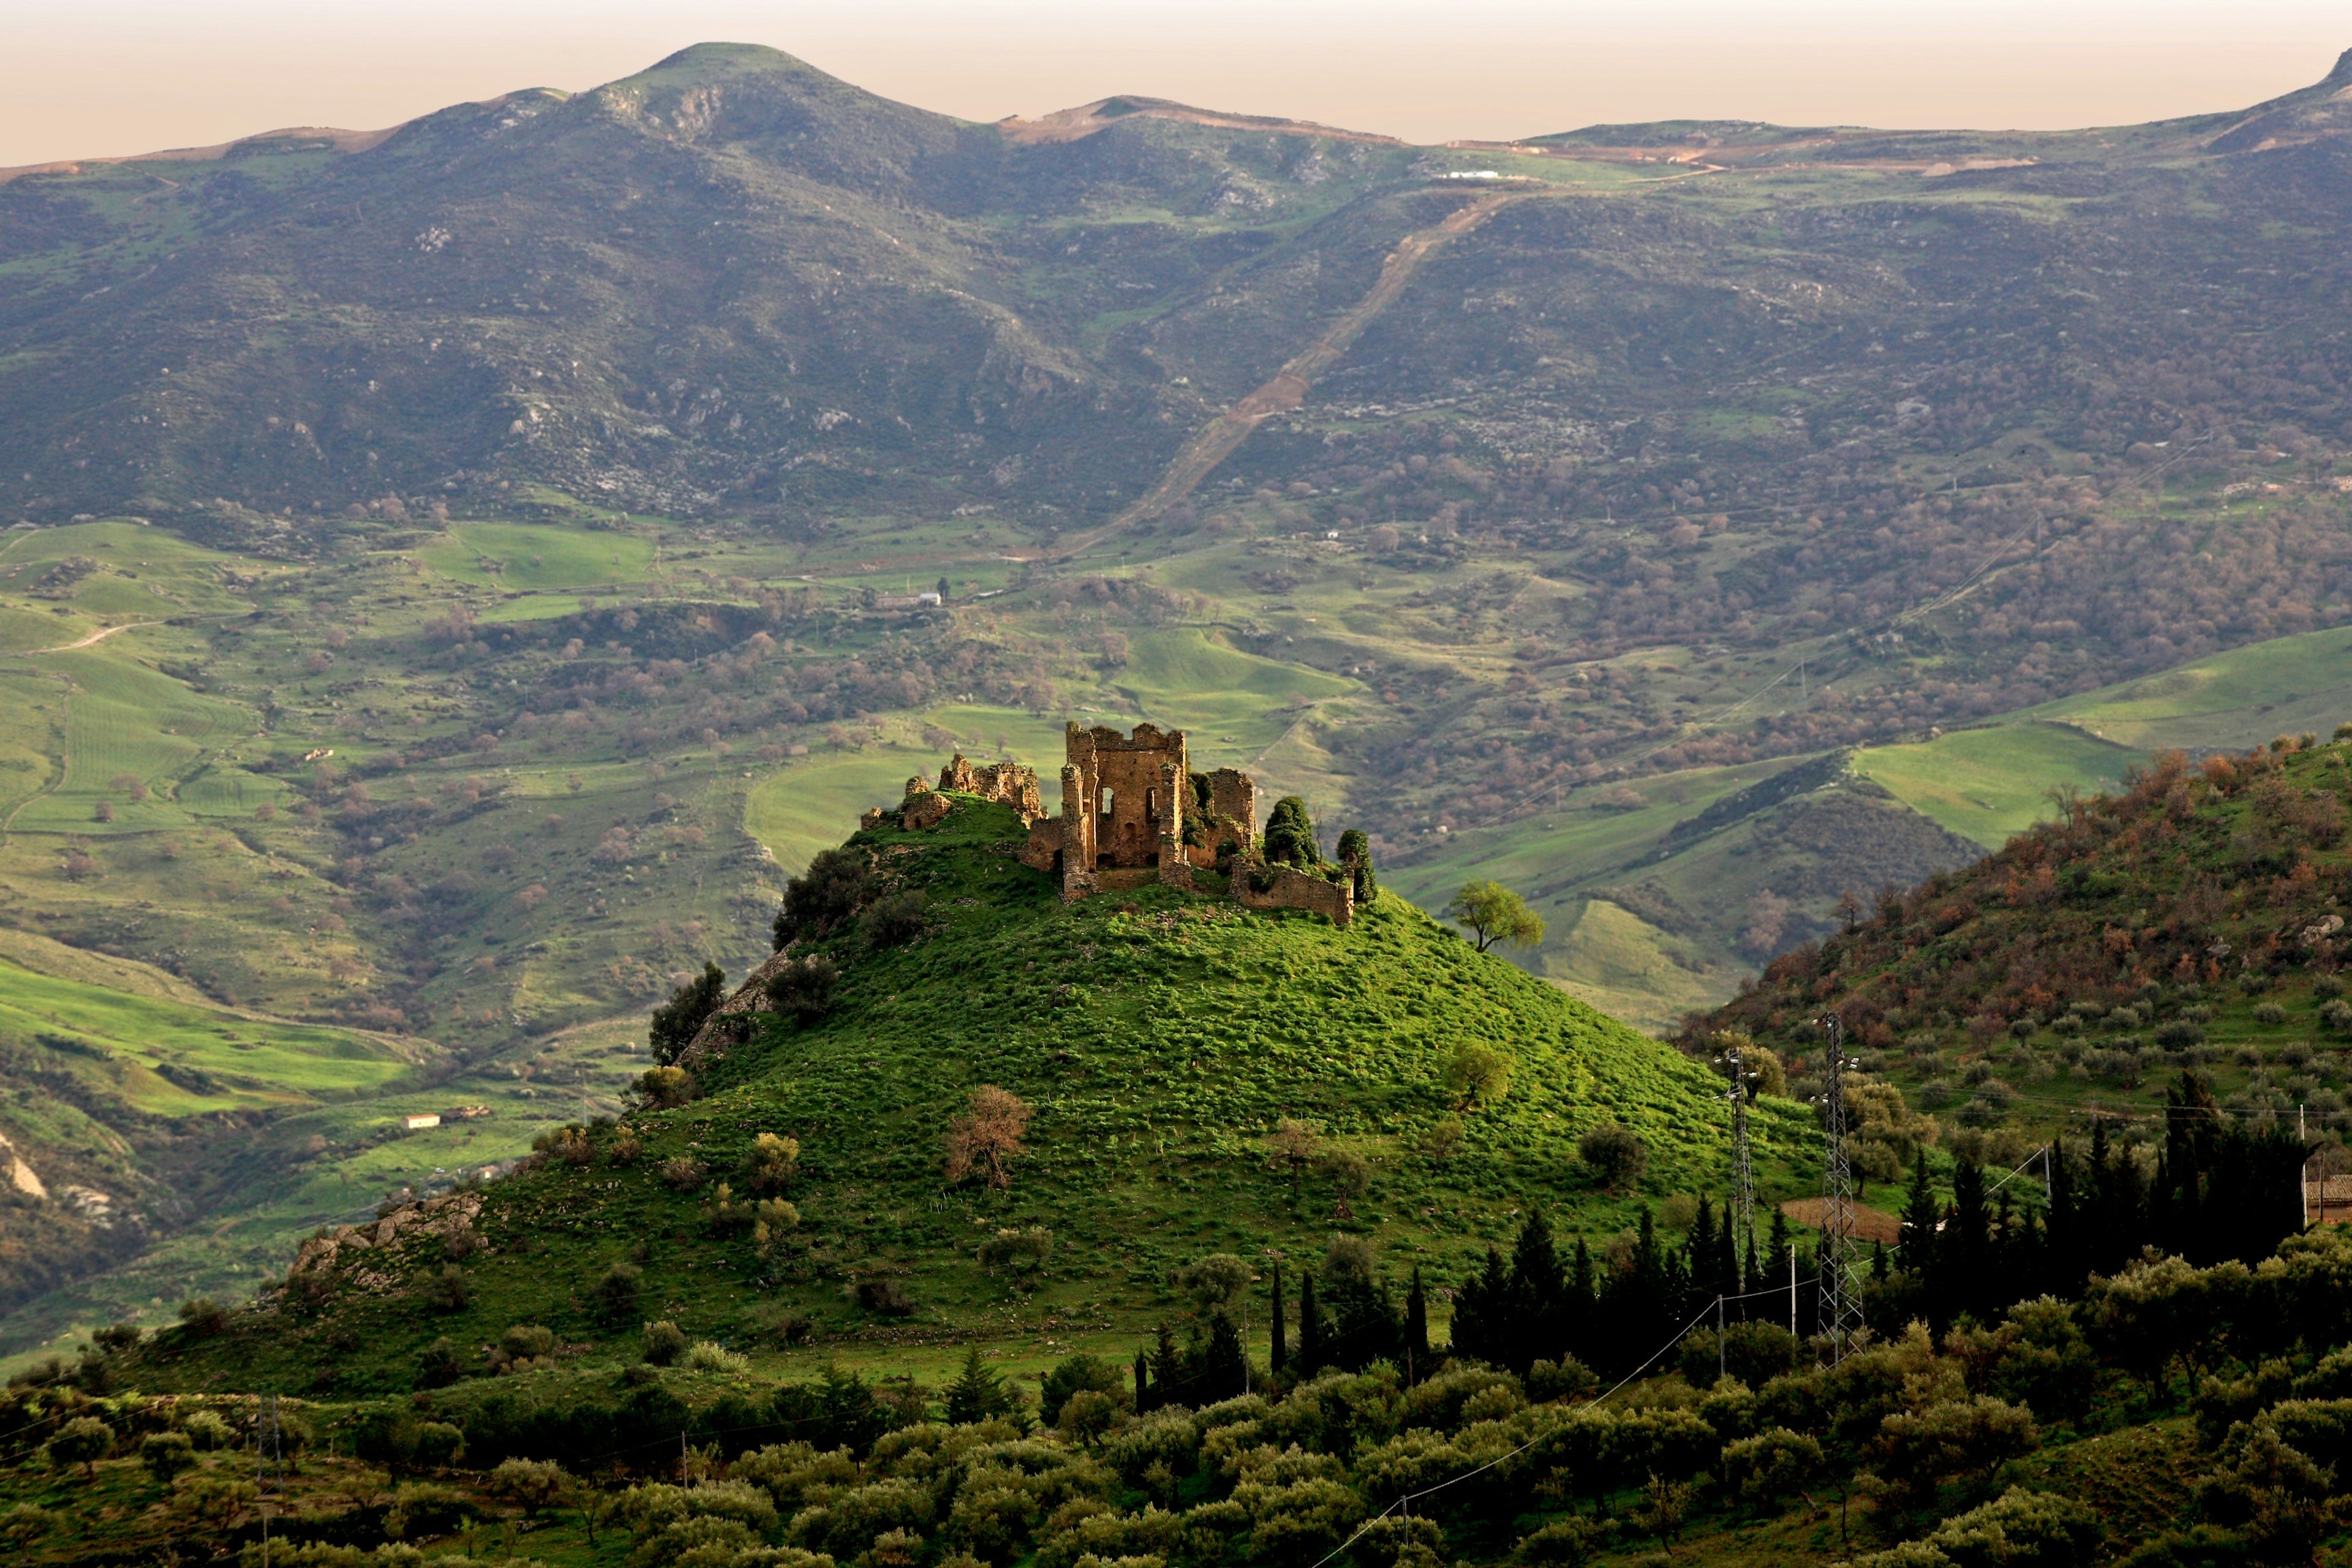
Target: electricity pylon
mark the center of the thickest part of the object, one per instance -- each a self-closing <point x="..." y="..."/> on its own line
<point x="1840" y="1311"/>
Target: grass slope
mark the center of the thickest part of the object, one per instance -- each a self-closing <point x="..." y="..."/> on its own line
<point x="1159" y="1036"/>
<point x="1991" y="784"/>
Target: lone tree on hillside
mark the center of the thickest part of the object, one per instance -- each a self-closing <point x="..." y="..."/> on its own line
<point x="987" y="1136"/>
<point x="1493" y="913"/>
<point x="1616" y="1154"/>
<point x="677" y="1021"/>
<point x="1290" y="835"/>
<point x="1479" y="1076"/>
<point x="1293" y="1147"/>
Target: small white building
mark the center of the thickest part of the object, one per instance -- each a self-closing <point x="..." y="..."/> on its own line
<point x="419" y="1123"/>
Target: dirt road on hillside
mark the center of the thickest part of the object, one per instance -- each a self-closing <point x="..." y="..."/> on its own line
<point x="1223" y="435"/>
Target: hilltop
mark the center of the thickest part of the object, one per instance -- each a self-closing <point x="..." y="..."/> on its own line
<point x="1159" y="1036"/>
<point x="2191" y="921"/>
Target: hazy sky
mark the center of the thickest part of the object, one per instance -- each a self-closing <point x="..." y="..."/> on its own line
<point x="98" y="77"/>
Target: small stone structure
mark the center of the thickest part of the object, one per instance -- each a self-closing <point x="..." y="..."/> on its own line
<point x="925" y="808"/>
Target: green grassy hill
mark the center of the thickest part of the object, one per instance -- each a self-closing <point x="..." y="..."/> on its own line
<point x="1159" y="1038"/>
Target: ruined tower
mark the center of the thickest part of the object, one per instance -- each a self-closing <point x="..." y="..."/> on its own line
<point x="1134" y="812"/>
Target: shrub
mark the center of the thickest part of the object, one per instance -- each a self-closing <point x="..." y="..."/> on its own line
<point x="166" y="1454"/>
<point x="2268" y="1013"/>
<point x="683" y="1172"/>
<point x="884" y="1295"/>
<point x="202" y="1317"/>
<point x="663" y="1341"/>
<point x="1568" y="1543"/>
<point x="802" y="988"/>
<point x="705" y="1356"/>
<point x="1076" y="1374"/>
<point x="84" y="1441"/>
<point x="665" y="1087"/>
<point x="894" y="922"/>
<point x="528" y="1341"/>
<point x="21" y="1524"/>
<point x="836" y="884"/>
<point x="1021" y="1249"/>
<point x="444" y="1290"/>
<point x="772" y="1162"/>
<point x="2253" y="983"/>
<point x="438" y="1365"/>
<point x="2337" y="1016"/>
<point x="616" y="1292"/>
<point x="1616" y="1154"/>
<point x="207" y="1431"/>
<point x="437" y="1445"/>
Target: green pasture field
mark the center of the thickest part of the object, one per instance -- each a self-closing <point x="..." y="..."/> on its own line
<point x="1991" y="783"/>
<point x="1627" y="967"/>
<point x="225" y="1061"/>
<point x="2230" y="701"/>
<point x="804" y="806"/>
<point x="140" y="573"/>
<point x="1231" y="705"/>
<point x="524" y="557"/>
<point x="125" y="720"/>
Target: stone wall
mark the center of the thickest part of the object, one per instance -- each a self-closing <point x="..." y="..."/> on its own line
<point x="1335" y="902"/>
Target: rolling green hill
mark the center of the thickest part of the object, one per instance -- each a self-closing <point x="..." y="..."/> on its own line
<point x="1158" y="1038"/>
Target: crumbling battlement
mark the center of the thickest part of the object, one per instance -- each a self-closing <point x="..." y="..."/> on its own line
<point x="1007" y="782"/>
<point x="1293" y="889"/>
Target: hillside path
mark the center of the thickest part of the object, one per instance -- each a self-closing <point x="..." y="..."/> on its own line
<point x="96" y="637"/>
<point x="1222" y="435"/>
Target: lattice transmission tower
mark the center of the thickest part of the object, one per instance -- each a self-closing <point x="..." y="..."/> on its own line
<point x="1742" y="1217"/>
<point x="1839" y="1310"/>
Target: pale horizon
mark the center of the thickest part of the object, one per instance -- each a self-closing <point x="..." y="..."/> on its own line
<point x="118" y="78"/>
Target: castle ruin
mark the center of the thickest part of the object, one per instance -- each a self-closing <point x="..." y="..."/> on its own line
<point x="1133" y="813"/>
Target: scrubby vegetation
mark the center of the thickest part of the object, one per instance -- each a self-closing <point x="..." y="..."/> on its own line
<point x="2188" y="924"/>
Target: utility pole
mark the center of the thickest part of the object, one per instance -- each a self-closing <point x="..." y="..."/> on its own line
<point x="269" y="1466"/>
<point x="1841" y="1297"/>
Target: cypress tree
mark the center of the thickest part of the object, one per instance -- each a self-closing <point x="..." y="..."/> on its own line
<point x="1729" y="1278"/>
<point x="1920" y="1216"/>
<point x="1143" y="1398"/>
<point x="1279" y="1347"/>
<point x="977" y="1393"/>
<point x="1168" y="1373"/>
<point x="1577" y="1306"/>
<point x="1964" y="1248"/>
<point x="1224" y="1369"/>
<point x="1311" y="1352"/>
<point x="1533" y="1327"/>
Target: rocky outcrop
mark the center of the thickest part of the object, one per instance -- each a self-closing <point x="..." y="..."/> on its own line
<point x="352" y="1246"/>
